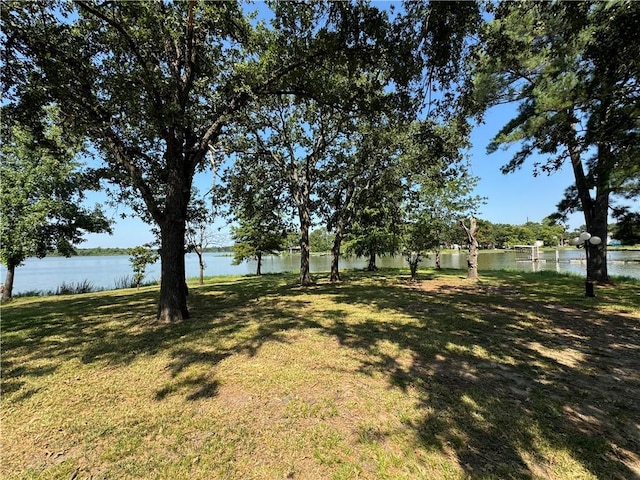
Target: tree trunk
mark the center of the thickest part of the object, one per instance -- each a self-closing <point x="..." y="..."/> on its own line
<point x="597" y="225"/>
<point x="472" y="260"/>
<point x="472" y="256"/>
<point x="259" y="268"/>
<point x="413" y="259"/>
<point x="172" y="220"/>
<point x="201" y="263"/>
<point x="438" y="265"/>
<point x="372" y="261"/>
<point x="598" y="253"/>
<point x="7" y="288"/>
<point x="595" y="211"/>
<point x="335" y="256"/>
<point x="300" y="189"/>
<point x="172" y="306"/>
<point x="305" y="272"/>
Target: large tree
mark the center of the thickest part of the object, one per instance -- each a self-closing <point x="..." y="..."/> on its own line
<point x="439" y="186"/>
<point x="41" y="197"/>
<point x="439" y="204"/>
<point x="368" y="158"/>
<point x="572" y="70"/>
<point x="154" y="84"/>
<point x="376" y="228"/>
<point x="259" y="209"/>
<point x="298" y="137"/>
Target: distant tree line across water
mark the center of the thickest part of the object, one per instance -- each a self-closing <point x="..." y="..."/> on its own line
<point x="108" y="251"/>
<point x="491" y="235"/>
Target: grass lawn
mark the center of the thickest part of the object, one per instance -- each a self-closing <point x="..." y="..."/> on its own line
<point x="517" y="376"/>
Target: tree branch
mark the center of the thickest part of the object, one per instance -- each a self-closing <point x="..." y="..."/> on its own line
<point x="157" y="99"/>
<point x="124" y="157"/>
<point x="262" y="88"/>
<point x="187" y="77"/>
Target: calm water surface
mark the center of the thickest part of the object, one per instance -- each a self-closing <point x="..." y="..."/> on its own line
<point x="49" y="273"/>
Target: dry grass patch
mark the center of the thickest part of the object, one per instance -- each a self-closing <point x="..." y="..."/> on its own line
<point x="512" y="377"/>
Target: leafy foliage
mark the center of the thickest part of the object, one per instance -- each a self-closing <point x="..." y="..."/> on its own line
<point x="320" y="240"/>
<point x="257" y="204"/>
<point x="140" y="257"/>
<point x="627" y="228"/>
<point x="377" y="226"/>
<point x="501" y="235"/>
<point x="154" y="84"/>
<point x="254" y="239"/>
<point x="292" y="141"/>
<point x="440" y="193"/>
<point x="41" y="197"/>
<point x="572" y="69"/>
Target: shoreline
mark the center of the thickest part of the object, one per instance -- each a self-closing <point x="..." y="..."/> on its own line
<point x="84" y="288"/>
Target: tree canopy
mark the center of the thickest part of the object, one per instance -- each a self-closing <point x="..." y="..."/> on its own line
<point x="152" y="85"/>
<point x="259" y="209"/>
<point x="439" y="187"/>
<point x="42" y="196"/>
<point x="572" y="69"/>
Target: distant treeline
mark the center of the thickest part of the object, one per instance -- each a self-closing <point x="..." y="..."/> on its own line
<point x="100" y="251"/>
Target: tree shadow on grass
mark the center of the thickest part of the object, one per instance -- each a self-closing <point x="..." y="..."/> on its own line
<point x="201" y="387"/>
<point x="509" y="374"/>
<point x="512" y="371"/>
<point x="117" y="328"/>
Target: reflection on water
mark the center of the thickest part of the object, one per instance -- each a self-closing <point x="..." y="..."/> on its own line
<point x="48" y="273"/>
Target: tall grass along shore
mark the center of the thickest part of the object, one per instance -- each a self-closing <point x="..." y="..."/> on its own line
<point x="517" y="376"/>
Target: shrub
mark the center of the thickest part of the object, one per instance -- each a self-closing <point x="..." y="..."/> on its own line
<point x="125" y="281"/>
<point x="84" y="286"/>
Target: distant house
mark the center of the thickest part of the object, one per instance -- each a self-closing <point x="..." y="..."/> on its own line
<point x="612" y="241"/>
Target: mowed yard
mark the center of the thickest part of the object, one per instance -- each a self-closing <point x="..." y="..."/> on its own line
<point x="516" y="376"/>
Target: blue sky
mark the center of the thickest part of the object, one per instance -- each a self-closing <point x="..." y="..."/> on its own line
<point x="514" y="198"/>
<point x="517" y="197"/>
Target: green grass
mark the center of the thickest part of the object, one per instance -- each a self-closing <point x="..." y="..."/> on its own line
<point x="517" y="376"/>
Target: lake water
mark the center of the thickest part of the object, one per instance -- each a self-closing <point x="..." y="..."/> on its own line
<point x="48" y="273"/>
